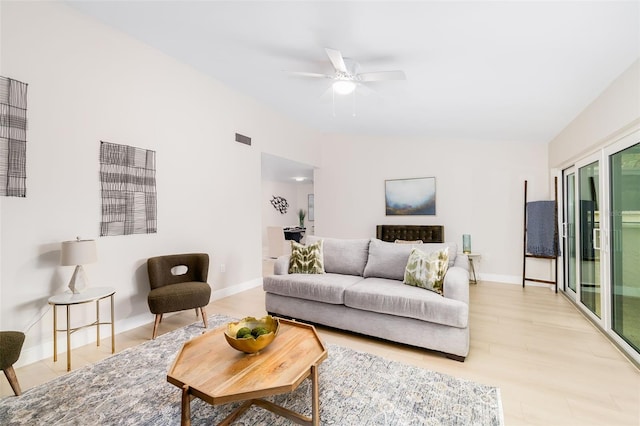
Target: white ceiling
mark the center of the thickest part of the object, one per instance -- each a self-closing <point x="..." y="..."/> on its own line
<point x="497" y="71"/>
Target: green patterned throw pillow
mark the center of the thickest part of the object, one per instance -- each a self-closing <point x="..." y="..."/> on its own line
<point x="427" y="270"/>
<point x="306" y="259"/>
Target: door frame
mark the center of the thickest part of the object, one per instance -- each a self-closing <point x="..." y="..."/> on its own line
<point x="564" y="220"/>
<point x="620" y="145"/>
<point x="593" y="158"/>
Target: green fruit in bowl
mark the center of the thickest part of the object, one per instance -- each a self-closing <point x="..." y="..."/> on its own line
<point x="251" y="335"/>
<point x="259" y="331"/>
<point x="243" y="332"/>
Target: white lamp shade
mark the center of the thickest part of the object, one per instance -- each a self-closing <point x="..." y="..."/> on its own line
<point x="78" y="252"/>
<point x="344" y="87"/>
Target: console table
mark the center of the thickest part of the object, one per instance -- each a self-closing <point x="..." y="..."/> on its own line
<point x="67" y="299"/>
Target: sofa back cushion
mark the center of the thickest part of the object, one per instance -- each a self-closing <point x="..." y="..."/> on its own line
<point x="343" y="256"/>
<point x="389" y="260"/>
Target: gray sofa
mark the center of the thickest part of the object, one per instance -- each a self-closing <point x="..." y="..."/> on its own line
<point x="362" y="291"/>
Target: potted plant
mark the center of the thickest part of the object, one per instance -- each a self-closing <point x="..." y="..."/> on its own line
<point x="301" y="215"/>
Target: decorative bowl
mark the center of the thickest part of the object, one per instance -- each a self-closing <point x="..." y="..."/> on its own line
<point x="252" y="345"/>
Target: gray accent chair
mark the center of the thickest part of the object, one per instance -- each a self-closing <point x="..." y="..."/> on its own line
<point x="10" y="348"/>
<point x="173" y="291"/>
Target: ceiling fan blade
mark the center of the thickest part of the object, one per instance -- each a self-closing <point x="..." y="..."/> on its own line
<point x="365" y="90"/>
<point x="382" y="76"/>
<point x="336" y="59"/>
<point x="310" y="74"/>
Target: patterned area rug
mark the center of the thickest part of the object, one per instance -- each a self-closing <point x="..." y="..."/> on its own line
<point x="130" y="388"/>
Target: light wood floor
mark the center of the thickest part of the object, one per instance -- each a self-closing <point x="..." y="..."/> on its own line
<point x="551" y="365"/>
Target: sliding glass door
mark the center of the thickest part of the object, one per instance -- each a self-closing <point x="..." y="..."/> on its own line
<point x="589" y="217"/>
<point x="569" y="231"/>
<point x="624" y="171"/>
<point x="601" y="219"/>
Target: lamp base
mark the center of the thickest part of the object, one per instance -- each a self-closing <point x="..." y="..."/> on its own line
<point x="79" y="280"/>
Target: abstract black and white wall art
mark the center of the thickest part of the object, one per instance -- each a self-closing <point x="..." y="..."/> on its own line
<point x="280" y="203"/>
<point x="13" y="138"/>
<point x="128" y="180"/>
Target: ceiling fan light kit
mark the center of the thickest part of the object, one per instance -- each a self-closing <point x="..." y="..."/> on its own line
<point x="347" y="74"/>
<point x="344" y="87"/>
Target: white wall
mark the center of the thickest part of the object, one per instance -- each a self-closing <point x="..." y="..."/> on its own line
<point x="479" y="191"/>
<point x="296" y="195"/>
<point x="614" y="113"/>
<point x="89" y="83"/>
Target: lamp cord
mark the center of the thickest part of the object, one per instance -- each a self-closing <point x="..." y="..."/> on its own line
<point x="333" y="100"/>
<point x="37" y="320"/>
<point x="353" y="109"/>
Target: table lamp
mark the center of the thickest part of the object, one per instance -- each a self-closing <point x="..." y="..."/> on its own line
<point x="466" y="243"/>
<point x="78" y="252"/>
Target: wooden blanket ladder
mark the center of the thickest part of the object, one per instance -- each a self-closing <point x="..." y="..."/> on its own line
<point x="524" y="249"/>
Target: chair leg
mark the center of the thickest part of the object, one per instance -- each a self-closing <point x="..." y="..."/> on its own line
<point x="204" y="317"/>
<point x="196" y="312"/>
<point x="13" y="380"/>
<point x="155" y="326"/>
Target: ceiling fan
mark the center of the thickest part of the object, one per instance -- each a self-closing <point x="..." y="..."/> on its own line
<point x="347" y="75"/>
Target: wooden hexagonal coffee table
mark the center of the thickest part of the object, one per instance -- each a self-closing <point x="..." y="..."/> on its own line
<point x="208" y="368"/>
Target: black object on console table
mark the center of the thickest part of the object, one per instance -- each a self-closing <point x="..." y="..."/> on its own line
<point x="294" y="233"/>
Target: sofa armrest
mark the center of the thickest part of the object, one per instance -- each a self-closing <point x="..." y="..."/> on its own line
<point x="456" y="284"/>
<point x="281" y="267"/>
<point x="462" y="261"/>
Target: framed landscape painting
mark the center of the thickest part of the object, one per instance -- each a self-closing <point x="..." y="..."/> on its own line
<point x="415" y="196"/>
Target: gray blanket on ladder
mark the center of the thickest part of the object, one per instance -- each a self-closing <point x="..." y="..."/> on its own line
<point x="541" y="229"/>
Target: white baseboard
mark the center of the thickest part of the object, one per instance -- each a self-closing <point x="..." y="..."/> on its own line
<point x="88" y="336"/>
<point x="35" y="354"/>
<point x="238" y="288"/>
<point x="511" y="279"/>
<point x="498" y="278"/>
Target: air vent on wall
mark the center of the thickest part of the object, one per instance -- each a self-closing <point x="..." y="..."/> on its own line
<point x="243" y="139"/>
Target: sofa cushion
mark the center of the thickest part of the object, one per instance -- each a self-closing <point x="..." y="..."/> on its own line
<point x="389" y="260"/>
<point x="431" y="247"/>
<point x="394" y="298"/>
<point x="327" y="288"/>
<point x="409" y="242"/>
<point x="427" y="270"/>
<point x="306" y="259"/>
<point x="343" y="256"/>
